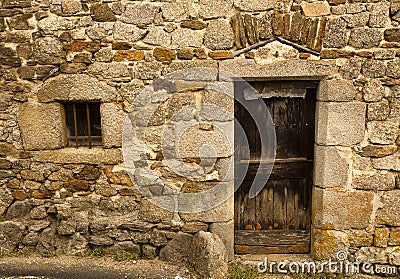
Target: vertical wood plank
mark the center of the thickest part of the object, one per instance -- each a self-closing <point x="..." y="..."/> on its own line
<point x="290" y="205"/>
<point x="279" y="205"/>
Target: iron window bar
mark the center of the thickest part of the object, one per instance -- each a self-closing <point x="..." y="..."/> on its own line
<point x="83" y="120"/>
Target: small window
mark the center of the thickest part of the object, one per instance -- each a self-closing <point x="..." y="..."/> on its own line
<point x="83" y="124"/>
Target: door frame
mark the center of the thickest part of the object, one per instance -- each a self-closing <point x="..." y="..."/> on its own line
<point x="301" y="70"/>
<point x="302" y="235"/>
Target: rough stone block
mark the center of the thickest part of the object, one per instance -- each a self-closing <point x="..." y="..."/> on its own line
<point x="393" y="68"/>
<point x="378" y="110"/>
<point x="340" y="123"/>
<point x="128" y="32"/>
<point x="355" y="8"/>
<point x="76" y="87"/>
<point x="373" y="91"/>
<point x="11" y="234"/>
<point x="381" y="237"/>
<point x="358" y="238"/>
<point x="195" y="142"/>
<point x="148" y="70"/>
<point x="374" y="68"/>
<point x="382" y="132"/>
<point x="140" y="14"/>
<point x="177" y="250"/>
<point x="54" y="23"/>
<point x="388" y="213"/>
<point x="373" y="255"/>
<point x="392" y="35"/>
<point x="326" y="243"/>
<point x="207" y="254"/>
<point x="225" y="231"/>
<point x="320" y="8"/>
<point x="365" y="37"/>
<point x="150" y="212"/>
<point x="163" y="54"/>
<point x="374" y="181"/>
<point x="341" y="210"/>
<point x="71" y="6"/>
<point x="178" y="10"/>
<point x="42" y="126"/>
<point x="379" y="14"/>
<point x="357" y="20"/>
<point x="157" y="36"/>
<point x="112" y="124"/>
<point x="196" y="70"/>
<point x="16" y="3"/>
<point x="255" y="5"/>
<point x="184" y="37"/>
<point x="247" y="68"/>
<point x="336" y="90"/>
<point x="129" y="55"/>
<point x="377" y="151"/>
<point x="6" y="200"/>
<point x="215" y="9"/>
<point x="109" y="70"/>
<point x="222" y="213"/>
<point x="391" y="162"/>
<point x="394" y="238"/>
<point x="332" y="168"/>
<point x="48" y="50"/>
<point x="335" y="33"/>
<point x="219" y="35"/>
<point x="101" y="12"/>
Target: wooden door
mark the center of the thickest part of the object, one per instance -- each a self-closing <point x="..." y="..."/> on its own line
<point x="278" y="219"/>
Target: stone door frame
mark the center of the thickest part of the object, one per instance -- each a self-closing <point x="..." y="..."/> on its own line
<point x="334" y="96"/>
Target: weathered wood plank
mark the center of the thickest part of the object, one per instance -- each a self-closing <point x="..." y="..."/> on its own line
<point x="283" y="249"/>
<point x="272" y="238"/>
<point x="279" y="204"/>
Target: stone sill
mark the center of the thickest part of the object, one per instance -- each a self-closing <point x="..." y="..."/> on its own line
<point x="81" y="155"/>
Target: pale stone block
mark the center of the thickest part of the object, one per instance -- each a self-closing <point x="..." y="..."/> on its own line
<point x="194" y="141"/>
<point x="331" y="167"/>
<point x="225" y="231"/>
<point x="340" y="210"/>
<point x="326" y="243"/>
<point x="219" y="35"/>
<point x="178" y="10"/>
<point x="321" y="8"/>
<point x="374" y="181"/>
<point x="336" y="90"/>
<point x="340" y="123"/>
<point x="215" y="8"/>
<point x="42" y="126"/>
<point x="255" y="5"/>
<point x="157" y="36"/>
<point x="382" y="132"/>
<point x="221" y="213"/>
<point x="138" y="14"/>
<point x="388" y="213"/>
<point x="75" y="87"/>
<point x="183" y="37"/>
<point x="247" y="68"/>
<point x="128" y="32"/>
<point x="391" y="162"/>
<point x="196" y="70"/>
<point x="112" y="124"/>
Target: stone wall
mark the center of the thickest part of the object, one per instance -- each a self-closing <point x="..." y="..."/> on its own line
<point x="60" y="200"/>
